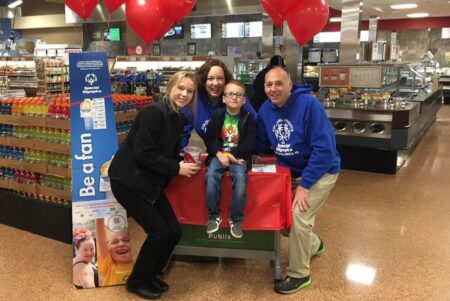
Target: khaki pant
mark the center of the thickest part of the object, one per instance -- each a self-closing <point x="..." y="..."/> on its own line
<point x="303" y="242"/>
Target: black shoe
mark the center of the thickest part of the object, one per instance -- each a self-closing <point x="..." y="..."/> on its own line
<point x="144" y="292"/>
<point x="291" y="284"/>
<point x="160" y="285"/>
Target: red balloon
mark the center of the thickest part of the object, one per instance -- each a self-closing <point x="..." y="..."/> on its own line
<point x="176" y="10"/>
<point x="277" y="19"/>
<point x="145" y="18"/>
<point x="83" y="8"/>
<point x="279" y="8"/>
<point x="307" y="19"/>
<point x="112" y="5"/>
<point x="165" y="28"/>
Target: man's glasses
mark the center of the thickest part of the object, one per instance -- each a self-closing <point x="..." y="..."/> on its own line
<point x="233" y="94"/>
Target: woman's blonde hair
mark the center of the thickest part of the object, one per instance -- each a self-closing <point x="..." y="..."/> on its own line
<point x="173" y="83"/>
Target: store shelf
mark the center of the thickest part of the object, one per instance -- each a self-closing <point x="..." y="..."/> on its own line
<point x="37" y="167"/>
<point x="44" y="190"/>
<point x="127" y="116"/>
<point x="37" y="208"/>
<point x="35" y="121"/>
<point x="49" y="219"/>
<point x="36" y="144"/>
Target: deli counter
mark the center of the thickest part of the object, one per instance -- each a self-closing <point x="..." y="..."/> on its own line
<point x="379" y="112"/>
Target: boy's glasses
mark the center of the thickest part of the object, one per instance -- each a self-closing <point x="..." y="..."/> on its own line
<point x="233" y="95"/>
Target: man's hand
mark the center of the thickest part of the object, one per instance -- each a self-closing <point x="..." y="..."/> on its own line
<point x="301" y="199"/>
<point x="256" y="159"/>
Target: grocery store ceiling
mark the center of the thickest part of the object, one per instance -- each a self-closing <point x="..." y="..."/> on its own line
<point x="382" y="9"/>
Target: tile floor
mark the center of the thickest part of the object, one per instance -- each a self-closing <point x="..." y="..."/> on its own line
<point x="387" y="238"/>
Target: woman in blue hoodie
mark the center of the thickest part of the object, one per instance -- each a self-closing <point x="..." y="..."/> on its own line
<point x="212" y="77"/>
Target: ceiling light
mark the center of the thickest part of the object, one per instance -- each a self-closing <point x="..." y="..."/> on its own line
<point x="418" y="15"/>
<point x="404" y="6"/>
<point x="335" y="19"/>
<point x="14" y="4"/>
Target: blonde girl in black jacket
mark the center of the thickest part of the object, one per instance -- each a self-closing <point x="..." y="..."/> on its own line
<point x="141" y="168"/>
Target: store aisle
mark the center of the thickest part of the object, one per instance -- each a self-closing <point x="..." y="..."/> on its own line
<point x="386" y="237"/>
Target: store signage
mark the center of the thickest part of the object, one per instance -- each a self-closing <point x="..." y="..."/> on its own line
<point x="137" y="50"/>
<point x="96" y="215"/>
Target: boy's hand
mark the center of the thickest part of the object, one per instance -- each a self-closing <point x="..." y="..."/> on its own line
<point x="235" y="161"/>
<point x="224" y="158"/>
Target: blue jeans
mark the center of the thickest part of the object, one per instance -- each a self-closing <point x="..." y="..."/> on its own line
<point x="213" y="189"/>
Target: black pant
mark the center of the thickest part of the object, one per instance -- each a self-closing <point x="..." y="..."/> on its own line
<point x="161" y="226"/>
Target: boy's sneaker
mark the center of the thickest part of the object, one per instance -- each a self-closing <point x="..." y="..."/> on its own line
<point x="321" y="249"/>
<point x="213" y="224"/>
<point x="236" y="229"/>
<point x="291" y="284"/>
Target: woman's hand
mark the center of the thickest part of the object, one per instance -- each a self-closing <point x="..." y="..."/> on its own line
<point x="188" y="169"/>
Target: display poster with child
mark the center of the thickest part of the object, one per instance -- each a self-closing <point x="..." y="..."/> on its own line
<point x="101" y="243"/>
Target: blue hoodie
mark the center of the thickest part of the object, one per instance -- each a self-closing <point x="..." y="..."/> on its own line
<point x="204" y="113"/>
<point x="301" y="136"/>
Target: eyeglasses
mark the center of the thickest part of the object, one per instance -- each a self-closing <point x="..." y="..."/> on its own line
<point x="233" y="94"/>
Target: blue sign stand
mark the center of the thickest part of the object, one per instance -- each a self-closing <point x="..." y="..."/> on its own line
<point x="95" y="212"/>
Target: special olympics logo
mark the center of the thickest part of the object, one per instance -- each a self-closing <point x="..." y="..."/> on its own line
<point x="205" y="125"/>
<point x="90" y="78"/>
<point x="282" y="130"/>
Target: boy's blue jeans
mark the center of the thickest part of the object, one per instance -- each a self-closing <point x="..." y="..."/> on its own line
<point x="213" y="189"/>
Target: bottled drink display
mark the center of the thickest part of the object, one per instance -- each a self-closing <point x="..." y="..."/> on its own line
<point x="16" y="160"/>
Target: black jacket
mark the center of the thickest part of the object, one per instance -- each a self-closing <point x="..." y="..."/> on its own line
<point x="259" y="95"/>
<point x="148" y="158"/>
<point x="247" y="136"/>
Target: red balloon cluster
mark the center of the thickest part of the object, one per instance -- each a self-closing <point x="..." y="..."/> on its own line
<point x="149" y="19"/>
<point x="305" y="18"/>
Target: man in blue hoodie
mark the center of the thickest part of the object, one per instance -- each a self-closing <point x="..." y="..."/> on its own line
<point x="296" y="127"/>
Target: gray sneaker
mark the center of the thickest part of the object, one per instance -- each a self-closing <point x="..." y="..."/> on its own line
<point x="213" y="224"/>
<point x="236" y="229"/>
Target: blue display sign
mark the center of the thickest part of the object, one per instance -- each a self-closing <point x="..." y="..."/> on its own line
<point x="97" y="218"/>
<point x="93" y="126"/>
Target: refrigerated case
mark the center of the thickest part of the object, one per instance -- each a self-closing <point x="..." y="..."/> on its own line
<point x="378" y="117"/>
<point x="246" y="70"/>
<point x="444" y="81"/>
